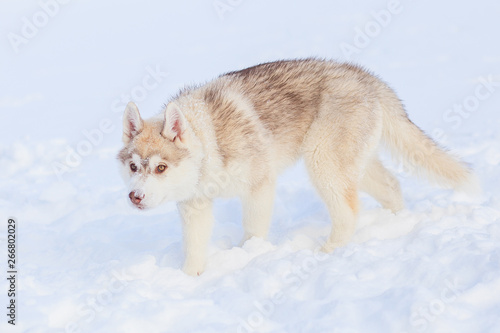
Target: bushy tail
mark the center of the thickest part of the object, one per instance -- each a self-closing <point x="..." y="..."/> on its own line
<point x="420" y="154"/>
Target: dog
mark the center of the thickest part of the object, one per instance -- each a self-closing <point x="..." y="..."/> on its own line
<point x="234" y="135"/>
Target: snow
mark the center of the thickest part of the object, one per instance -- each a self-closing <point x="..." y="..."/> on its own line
<point x="88" y="262"/>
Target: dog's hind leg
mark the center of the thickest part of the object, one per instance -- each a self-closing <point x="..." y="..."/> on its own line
<point x="339" y="191"/>
<point x="336" y="150"/>
<point x="381" y="184"/>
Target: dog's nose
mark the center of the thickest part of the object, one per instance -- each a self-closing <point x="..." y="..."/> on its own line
<point x="135" y="198"/>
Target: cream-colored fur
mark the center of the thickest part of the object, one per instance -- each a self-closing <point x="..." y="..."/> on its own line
<point x="234" y="135"/>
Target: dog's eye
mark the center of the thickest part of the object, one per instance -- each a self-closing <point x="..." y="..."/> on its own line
<point x="160" y="168"/>
<point x="133" y="167"/>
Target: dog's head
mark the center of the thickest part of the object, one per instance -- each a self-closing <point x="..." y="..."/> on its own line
<point x="161" y="157"/>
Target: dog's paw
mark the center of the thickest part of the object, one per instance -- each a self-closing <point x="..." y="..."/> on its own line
<point x="328" y="247"/>
<point x="193" y="269"/>
<point x="244" y="239"/>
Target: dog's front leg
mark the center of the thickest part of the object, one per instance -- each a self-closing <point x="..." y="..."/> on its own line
<point x="197" y="220"/>
<point x="258" y="210"/>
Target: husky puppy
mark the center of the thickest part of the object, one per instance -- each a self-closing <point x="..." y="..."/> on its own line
<point x="235" y="134"/>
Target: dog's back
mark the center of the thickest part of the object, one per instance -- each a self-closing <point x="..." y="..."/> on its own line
<point x="272" y="106"/>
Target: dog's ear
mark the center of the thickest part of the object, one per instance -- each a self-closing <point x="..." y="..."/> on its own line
<point x="132" y="122"/>
<point x="175" y="123"/>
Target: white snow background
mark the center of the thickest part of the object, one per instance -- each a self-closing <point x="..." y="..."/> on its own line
<point x="88" y="262"/>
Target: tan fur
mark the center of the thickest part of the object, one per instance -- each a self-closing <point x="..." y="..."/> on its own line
<point x="150" y="143"/>
<point x="246" y="126"/>
<point x="351" y="196"/>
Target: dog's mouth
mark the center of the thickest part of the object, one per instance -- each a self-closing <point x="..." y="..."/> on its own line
<point x="140" y="206"/>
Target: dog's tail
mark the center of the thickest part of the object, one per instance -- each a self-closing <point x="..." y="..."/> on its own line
<point x="419" y="153"/>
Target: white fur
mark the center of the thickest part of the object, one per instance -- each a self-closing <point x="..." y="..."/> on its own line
<point x="157" y="189"/>
<point x="132" y="122"/>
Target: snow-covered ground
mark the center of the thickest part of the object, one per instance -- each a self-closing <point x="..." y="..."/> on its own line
<point x="88" y="262"/>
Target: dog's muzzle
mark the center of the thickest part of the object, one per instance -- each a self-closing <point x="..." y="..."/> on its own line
<point x="136" y="198"/>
